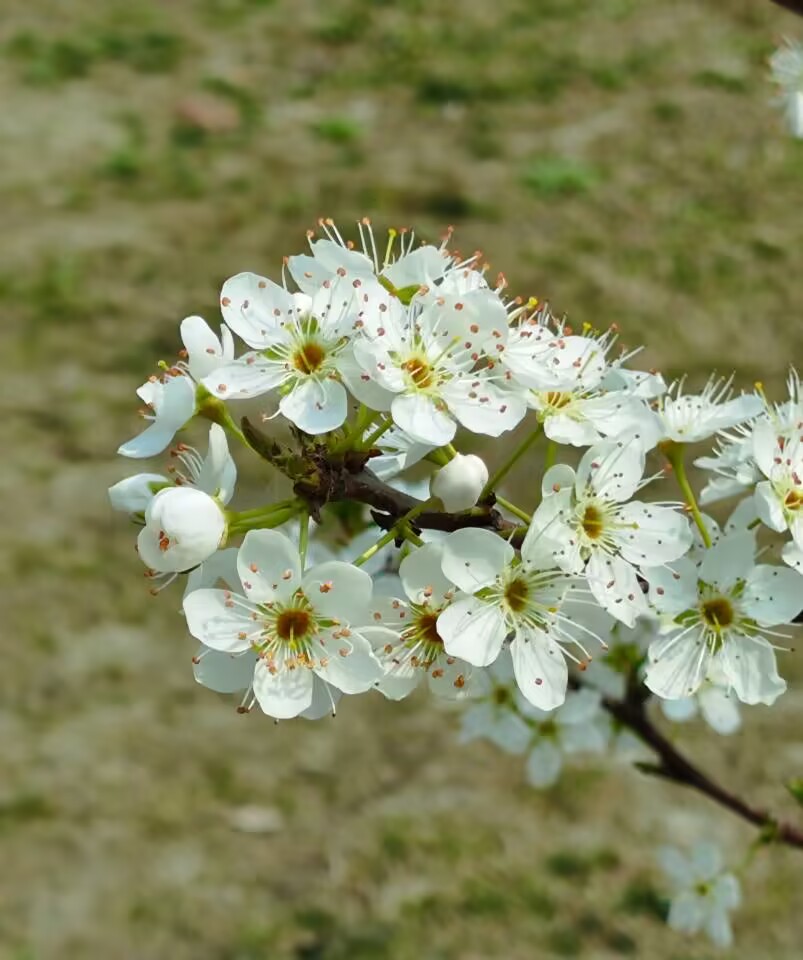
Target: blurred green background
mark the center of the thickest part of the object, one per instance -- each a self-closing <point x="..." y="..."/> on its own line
<point x="621" y="158"/>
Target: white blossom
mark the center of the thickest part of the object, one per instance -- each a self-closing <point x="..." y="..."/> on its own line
<point x="425" y="359"/>
<point x="603" y="535"/>
<point x="504" y="595"/>
<point x="300" y="348"/>
<point x="720" y="615"/>
<point x="688" y="418"/>
<point x="704" y="893"/>
<point x="301" y="624"/>
<point x="496" y="710"/>
<point x="779" y="498"/>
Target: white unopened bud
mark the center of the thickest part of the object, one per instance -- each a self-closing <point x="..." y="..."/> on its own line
<point x="183" y="527"/>
<point x="460" y="482"/>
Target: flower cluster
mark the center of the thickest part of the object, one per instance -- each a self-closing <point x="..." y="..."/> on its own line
<point x="363" y="361"/>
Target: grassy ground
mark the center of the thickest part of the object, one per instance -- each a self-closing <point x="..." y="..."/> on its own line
<point x="618" y="157"/>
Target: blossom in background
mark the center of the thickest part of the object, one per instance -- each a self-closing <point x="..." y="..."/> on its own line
<point x="170" y="403"/>
<point x="503" y="596"/>
<point x="579" y="725"/>
<point x="460" y="482"/>
<point x="496" y="710"/>
<point x="215" y="474"/>
<point x="704" y="893"/>
<point x="718" y="707"/>
<point x="410" y="647"/>
<point x="599" y="533"/>
<point x="301" y="624"/>
<point x="786" y="66"/>
<point x="720" y="615"/>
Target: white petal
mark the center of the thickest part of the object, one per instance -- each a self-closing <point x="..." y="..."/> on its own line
<point x="543" y="765"/>
<point x="451" y="678"/>
<point x="256" y="308"/>
<point x="773" y="595"/>
<point x="183" y="527"/>
<point x="133" y="494"/>
<point x="673" y="589"/>
<point x="308" y="272"/>
<point x="750" y="667"/>
<point x="793" y="555"/>
<point x="338" y="590"/>
<point x="687" y="912"/>
<point x="614" y="583"/>
<point x="223" y="672"/>
<point x="422" y="419"/>
<point x="361" y="385"/>
<point x="204" y="350"/>
<point x="472" y="630"/>
<point x="768" y="506"/>
<point x="718" y="928"/>
<point x="677" y="667"/>
<point x="677" y="866"/>
<point x="720" y="710"/>
<point x="483" y="408"/>
<point x="612" y="470"/>
<point x="244" y="378"/>
<point x="269" y="566"/>
<point x="679" y="711"/>
<point x="349" y="664"/>
<point x="324" y="700"/>
<point x="540" y="668"/>
<point x="218" y="474"/>
<point x="659" y="534"/>
<point x="218" y="622"/>
<point x="316" y="406"/>
<point x="422" y="577"/>
<point x="473" y="559"/>
<point x="460" y="482"/>
<point x="557" y="478"/>
<point x="285" y="693"/>
<point x="729" y="560"/>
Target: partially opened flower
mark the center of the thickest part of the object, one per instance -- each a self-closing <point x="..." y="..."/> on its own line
<point x="721" y="615"/>
<point x="170" y="403"/>
<point x="301" y="624"/>
<point x="704" y="893"/>
<point x="689" y="417"/>
<point x="183" y="527"/>
<point x="460" y="482"/>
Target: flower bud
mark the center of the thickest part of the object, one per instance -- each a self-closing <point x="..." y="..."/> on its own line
<point x="183" y="526"/>
<point x="460" y="482"/>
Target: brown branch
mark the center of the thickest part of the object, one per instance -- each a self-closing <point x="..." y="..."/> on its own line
<point x="794" y="6"/>
<point x="673" y="766"/>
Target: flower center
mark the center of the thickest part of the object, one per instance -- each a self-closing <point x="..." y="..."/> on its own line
<point x="593" y="522"/>
<point x="502" y="696"/>
<point x="555" y="399"/>
<point x="309" y="357"/>
<point x="793" y="500"/>
<point x="717" y="612"/>
<point x="426" y="628"/>
<point x="419" y="371"/>
<point x="293" y="624"/>
<point x="517" y="593"/>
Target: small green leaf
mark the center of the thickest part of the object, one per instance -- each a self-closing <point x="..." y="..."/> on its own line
<point x="795" y="787"/>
